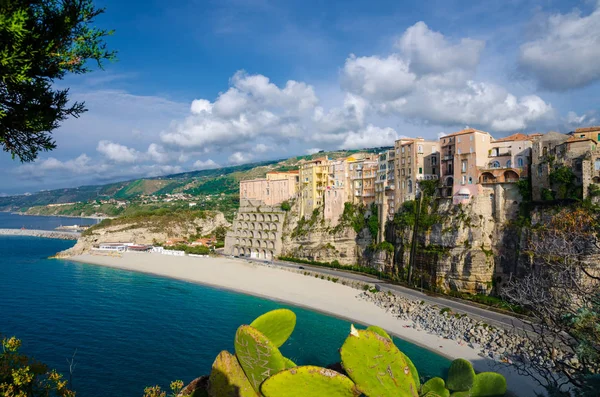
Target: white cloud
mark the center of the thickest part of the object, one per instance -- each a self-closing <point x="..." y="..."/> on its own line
<point x="157" y="153"/>
<point x="312" y="150"/>
<point x="430" y="52"/>
<point x="441" y="93"/>
<point x="371" y="136"/>
<point x="261" y="148"/>
<point x="565" y="52"/>
<point x="117" y="152"/>
<point x="588" y="118"/>
<point x="240" y="158"/>
<point x="205" y="164"/>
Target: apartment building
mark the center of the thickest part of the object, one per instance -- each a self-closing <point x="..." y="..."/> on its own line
<point x="578" y="151"/>
<point x="416" y="159"/>
<point x="274" y="189"/>
<point x="463" y="154"/>
<point x="337" y="191"/>
<point x="314" y="177"/>
<point x="362" y="172"/>
<point x="509" y="160"/>
<point x="385" y="190"/>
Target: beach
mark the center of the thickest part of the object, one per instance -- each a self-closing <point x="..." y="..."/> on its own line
<point x="300" y="290"/>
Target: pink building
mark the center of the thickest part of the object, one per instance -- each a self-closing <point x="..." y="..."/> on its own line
<point x="276" y="188"/>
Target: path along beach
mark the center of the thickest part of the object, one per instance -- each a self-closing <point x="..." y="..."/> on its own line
<point x="309" y="292"/>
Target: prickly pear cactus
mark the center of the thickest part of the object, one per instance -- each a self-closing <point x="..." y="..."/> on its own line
<point x="434" y="387"/>
<point x="277" y="325"/>
<point x="376" y="365"/>
<point x="413" y="370"/>
<point x="258" y="356"/>
<point x="309" y="381"/>
<point x="379" y="331"/>
<point x="289" y="363"/>
<point x="461" y="375"/>
<point x="227" y="378"/>
<point x="488" y="384"/>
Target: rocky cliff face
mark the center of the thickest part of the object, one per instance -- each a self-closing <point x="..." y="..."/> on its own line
<point x="147" y="230"/>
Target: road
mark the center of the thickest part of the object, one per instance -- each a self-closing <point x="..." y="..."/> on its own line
<point x="500" y="320"/>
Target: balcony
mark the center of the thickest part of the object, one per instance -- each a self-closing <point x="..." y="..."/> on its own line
<point x="446" y="158"/>
<point x="498" y="153"/>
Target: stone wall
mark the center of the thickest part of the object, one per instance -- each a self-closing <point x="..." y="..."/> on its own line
<point x="256" y="231"/>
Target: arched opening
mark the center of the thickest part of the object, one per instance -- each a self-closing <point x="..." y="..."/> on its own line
<point x="275" y="218"/>
<point x="449" y="181"/>
<point x="520" y="162"/>
<point x="268" y="218"/>
<point x="508" y="163"/>
<point x="270" y="245"/>
<point x="511" y="176"/>
<point x="495" y="164"/>
<point x="487" y="177"/>
<point x="263" y="244"/>
<point x="253" y="217"/>
<point x="236" y="251"/>
<point x="273" y="226"/>
<point x="272" y="236"/>
<point x="237" y="240"/>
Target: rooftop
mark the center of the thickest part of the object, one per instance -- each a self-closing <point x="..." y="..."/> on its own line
<point x="515" y="137"/>
<point x="465" y="131"/>
<point x="588" y="129"/>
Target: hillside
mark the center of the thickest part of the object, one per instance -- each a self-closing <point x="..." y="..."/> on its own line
<point x="214" y="189"/>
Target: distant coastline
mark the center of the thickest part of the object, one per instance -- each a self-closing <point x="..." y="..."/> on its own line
<point x="40" y="233"/>
<point x="61" y="216"/>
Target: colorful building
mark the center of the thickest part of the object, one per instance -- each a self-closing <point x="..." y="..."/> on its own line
<point x="274" y="189"/>
<point x="509" y="160"/>
<point x="314" y="176"/>
<point x="416" y="159"/>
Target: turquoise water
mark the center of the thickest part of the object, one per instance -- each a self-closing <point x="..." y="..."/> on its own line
<point x="132" y="330"/>
<point x="14" y="221"/>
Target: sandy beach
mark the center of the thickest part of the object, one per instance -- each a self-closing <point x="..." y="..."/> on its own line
<point x="309" y="292"/>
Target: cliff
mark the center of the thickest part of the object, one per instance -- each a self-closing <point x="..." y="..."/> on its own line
<point x="148" y="229"/>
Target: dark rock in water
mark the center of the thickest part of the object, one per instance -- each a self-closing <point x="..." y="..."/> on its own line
<point x="197" y="388"/>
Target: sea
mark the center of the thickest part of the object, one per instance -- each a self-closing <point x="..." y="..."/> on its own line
<point x="124" y="330"/>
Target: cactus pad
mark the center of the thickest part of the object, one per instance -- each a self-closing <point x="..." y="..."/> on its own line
<point x="289" y="363"/>
<point x="379" y="331"/>
<point x="488" y="384"/>
<point x="258" y="356"/>
<point x="227" y="378"/>
<point x="461" y="375"/>
<point x="277" y="325"/>
<point x="376" y="365"/>
<point x="309" y="381"/>
<point x="435" y="387"/>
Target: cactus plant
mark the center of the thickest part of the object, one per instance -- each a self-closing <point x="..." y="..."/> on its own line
<point x="309" y="381"/>
<point x="380" y="331"/>
<point x="376" y="365"/>
<point x="227" y="378"/>
<point x="460" y="375"/>
<point x="258" y="356"/>
<point x="488" y="384"/>
<point x="463" y="381"/>
<point x="434" y="387"/>
<point x="289" y="363"/>
<point x="413" y="370"/>
<point x="277" y="325"/>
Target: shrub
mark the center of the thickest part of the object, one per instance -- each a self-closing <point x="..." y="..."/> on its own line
<point x="286" y="206"/>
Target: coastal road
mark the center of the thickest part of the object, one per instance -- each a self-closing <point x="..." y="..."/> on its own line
<point x="500" y="320"/>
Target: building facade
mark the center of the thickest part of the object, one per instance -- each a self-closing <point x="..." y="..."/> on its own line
<point x="275" y="188"/>
<point x="509" y="160"/>
<point x="416" y="159"/>
<point x="257" y="231"/>
<point x="314" y="177"/>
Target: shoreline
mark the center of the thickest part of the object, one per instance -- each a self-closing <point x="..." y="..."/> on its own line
<point x="41" y="233"/>
<point x="62" y="216"/>
<point x="334" y="299"/>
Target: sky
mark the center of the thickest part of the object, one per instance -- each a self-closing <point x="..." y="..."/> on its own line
<point x="206" y="83"/>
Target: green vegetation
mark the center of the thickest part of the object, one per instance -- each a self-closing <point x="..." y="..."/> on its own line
<point x="373" y="363"/>
<point x="286" y="206"/>
<point x="195" y="250"/>
<point x="41" y="41"/>
<point x="562" y="180"/>
<point x="21" y="376"/>
<point x="385" y="246"/>
<point x="373" y="222"/>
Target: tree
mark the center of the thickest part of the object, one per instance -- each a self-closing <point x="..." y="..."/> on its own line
<point x="40" y="42"/>
<point x="562" y="295"/>
<point x="220" y="233"/>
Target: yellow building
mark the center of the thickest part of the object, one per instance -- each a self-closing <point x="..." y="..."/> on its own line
<point x="314" y="178"/>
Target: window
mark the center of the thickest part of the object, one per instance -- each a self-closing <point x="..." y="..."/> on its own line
<point x="409" y="186"/>
<point x="471" y="138"/>
<point x="597" y="165"/>
<point x="420" y="148"/>
<point x="434" y="160"/>
<point x="582" y="136"/>
<point x="520" y="162"/>
<point x="403" y="172"/>
<point x="508" y="164"/>
<point x="470" y="180"/>
<point x="545" y="151"/>
<point x="267" y="192"/>
<point x="409" y="171"/>
<point x="458" y="151"/>
<point x="495" y="164"/>
<point x="420" y="170"/>
<point x="458" y="139"/>
<point x="402" y="149"/>
<point x="464" y="166"/>
<point x="402" y="185"/>
<point x="433" y="171"/>
<point x="464" y="179"/>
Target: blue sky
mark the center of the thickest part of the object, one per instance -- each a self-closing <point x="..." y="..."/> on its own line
<point x="205" y="83"/>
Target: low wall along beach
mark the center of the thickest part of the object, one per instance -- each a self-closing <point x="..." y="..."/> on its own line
<point x="40" y="233"/>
